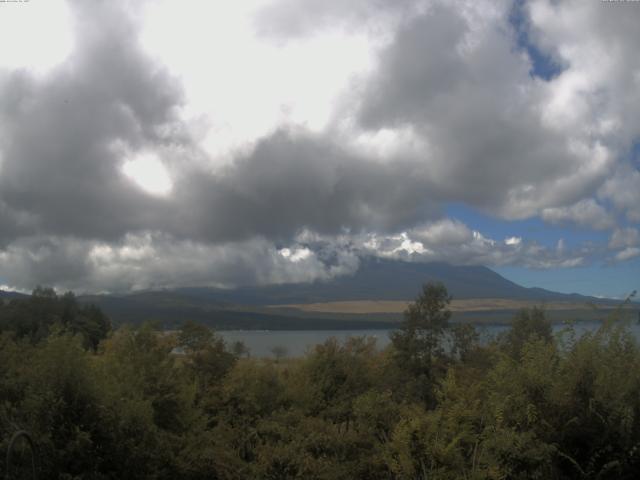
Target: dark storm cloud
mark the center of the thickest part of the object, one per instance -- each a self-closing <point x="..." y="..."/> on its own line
<point x="59" y="160"/>
<point x="451" y="75"/>
<point x="13" y="223"/>
<point x="456" y="75"/>
<point x="464" y="88"/>
<point x="45" y="261"/>
<point x="161" y="261"/>
<point x="70" y="217"/>
<point x="295" y="180"/>
<point x="62" y="161"/>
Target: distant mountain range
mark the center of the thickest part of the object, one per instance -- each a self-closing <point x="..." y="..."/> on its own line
<point x="268" y="306"/>
<point x="4" y="294"/>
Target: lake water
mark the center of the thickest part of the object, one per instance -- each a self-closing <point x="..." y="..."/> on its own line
<point x="297" y="342"/>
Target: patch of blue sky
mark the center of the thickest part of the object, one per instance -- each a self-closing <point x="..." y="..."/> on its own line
<point x="530" y="230"/>
<point x="603" y="280"/>
<point x="543" y="65"/>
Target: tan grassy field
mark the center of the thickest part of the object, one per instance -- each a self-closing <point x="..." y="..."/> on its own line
<point x="398" y="306"/>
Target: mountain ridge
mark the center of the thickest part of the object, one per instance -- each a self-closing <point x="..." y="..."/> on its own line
<point x="384" y="279"/>
<point x="269" y="307"/>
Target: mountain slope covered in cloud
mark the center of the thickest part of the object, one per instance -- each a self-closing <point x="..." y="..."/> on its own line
<point x="376" y="279"/>
<point x="382" y="279"/>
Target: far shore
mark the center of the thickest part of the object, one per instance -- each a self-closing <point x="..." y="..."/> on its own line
<point x="464" y="305"/>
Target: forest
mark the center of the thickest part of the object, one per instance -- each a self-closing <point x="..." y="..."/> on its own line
<point x="139" y="402"/>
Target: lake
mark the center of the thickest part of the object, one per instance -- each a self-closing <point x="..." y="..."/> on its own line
<point x="297" y="342"/>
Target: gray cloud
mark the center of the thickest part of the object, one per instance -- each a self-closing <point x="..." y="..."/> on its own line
<point x="454" y="242"/>
<point x="442" y="233"/>
<point x="586" y="213"/>
<point x="67" y="132"/>
<point x="461" y="85"/>
<point x="157" y="260"/>
<point x="623" y="190"/>
<point x="286" y="19"/>
<point x="58" y="164"/>
<point x="488" y="134"/>
<point x="44" y="260"/>
<point x="292" y="181"/>
<point x="624" y="237"/>
<point x="62" y="191"/>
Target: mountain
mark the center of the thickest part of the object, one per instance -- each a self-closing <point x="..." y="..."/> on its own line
<point x="384" y="279"/>
<point x="8" y="295"/>
<point x="268" y="307"/>
<point x="286" y="306"/>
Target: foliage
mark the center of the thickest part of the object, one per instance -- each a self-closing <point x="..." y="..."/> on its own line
<point x="143" y="403"/>
<point x="419" y="337"/>
<point x="527" y="325"/>
<point x="34" y="317"/>
<point x="418" y="342"/>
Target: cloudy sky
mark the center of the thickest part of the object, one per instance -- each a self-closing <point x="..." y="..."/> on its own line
<point x="162" y="143"/>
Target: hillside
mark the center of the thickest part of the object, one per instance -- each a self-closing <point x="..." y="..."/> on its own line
<point x="382" y="279"/>
<point x="373" y="297"/>
<point x="487" y="297"/>
<point x="8" y="295"/>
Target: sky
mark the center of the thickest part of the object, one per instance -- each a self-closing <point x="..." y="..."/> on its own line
<point x="157" y="144"/>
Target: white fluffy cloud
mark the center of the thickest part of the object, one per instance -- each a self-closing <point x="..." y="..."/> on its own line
<point x="454" y="242"/>
<point x="443" y="233"/>
<point x="624" y="237"/>
<point x="623" y="190"/>
<point x="586" y="213"/>
<point x="627" y="254"/>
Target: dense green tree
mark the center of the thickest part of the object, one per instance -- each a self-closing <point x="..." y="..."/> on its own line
<point x="147" y="403"/>
<point x="206" y="359"/>
<point x="35" y="316"/>
<point x="333" y="376"/>
<point x="418" y="342"/>
<point x="425" y="322"/>
<point x="528" y="324"/>
<point x="464" y="340"/>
